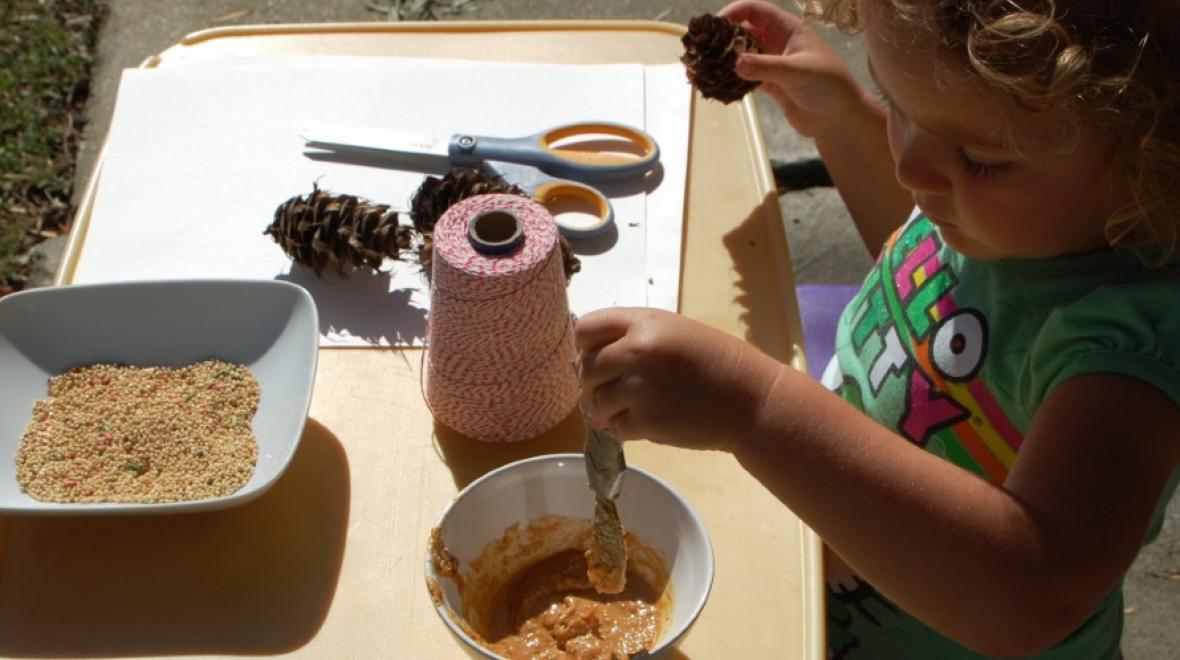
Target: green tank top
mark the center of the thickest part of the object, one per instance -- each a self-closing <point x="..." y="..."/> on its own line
<point x="956" y="354"/>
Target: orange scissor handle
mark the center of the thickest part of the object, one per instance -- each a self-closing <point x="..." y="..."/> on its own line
<point x="567" y="200"/>
<point x="591" y="144"/>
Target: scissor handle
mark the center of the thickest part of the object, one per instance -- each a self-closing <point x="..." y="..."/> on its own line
<point x="586" y="164"/>
<point x="561" y="197"/>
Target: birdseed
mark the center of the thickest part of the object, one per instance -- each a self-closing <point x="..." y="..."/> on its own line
<point x="113" y="433"/>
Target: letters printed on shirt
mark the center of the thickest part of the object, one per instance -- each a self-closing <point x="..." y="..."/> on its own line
<point x="922" y="356"/>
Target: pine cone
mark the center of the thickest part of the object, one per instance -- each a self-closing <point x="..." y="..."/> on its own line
<point x="711" y="47"/>
<point x="570" y="263"/>
<point x="322" y="230"/>
<point x="435" y="196"/>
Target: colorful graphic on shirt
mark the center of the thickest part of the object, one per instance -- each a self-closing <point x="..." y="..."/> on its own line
<point x="920" y="355"/>
<point x="920" y="348"/>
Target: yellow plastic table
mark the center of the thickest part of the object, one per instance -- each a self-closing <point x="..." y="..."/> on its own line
<point x="329" y="562"/>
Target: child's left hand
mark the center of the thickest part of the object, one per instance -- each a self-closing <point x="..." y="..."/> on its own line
<point x="656" y="375"/>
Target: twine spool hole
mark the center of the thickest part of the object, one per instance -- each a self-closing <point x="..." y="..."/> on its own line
<point x="495" y="232"/>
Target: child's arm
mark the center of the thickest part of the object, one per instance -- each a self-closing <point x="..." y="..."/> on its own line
<point x="1008" y="569"/>
<point x="1005" y="570"/>
<point x="821" y="100"/>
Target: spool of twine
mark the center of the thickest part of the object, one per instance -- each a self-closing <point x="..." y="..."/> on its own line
<point x="501" y="341"/>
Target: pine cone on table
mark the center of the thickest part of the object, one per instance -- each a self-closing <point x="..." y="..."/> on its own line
<point x="711" y="48"/>
<point x="322" y="230"/>
<point x="436" y="195"/>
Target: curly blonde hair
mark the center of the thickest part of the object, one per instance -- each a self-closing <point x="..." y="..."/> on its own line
<point x="1108" y="64"/>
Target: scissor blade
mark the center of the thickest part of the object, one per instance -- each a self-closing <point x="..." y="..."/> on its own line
<point x="372" y="141"/>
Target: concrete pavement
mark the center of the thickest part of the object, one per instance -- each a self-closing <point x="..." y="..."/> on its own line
<point x="824" y="247"/>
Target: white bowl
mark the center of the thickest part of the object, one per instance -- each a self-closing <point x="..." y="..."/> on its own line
<point x="555" y="484"/>
<point x="269" y="326"/>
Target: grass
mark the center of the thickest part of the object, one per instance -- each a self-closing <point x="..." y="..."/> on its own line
<point x="420" y="10"/>
<point x="46" y="47"/>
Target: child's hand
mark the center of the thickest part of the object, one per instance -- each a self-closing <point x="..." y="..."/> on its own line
<point x="653" y="374"/>
<point x="797" y="68"/>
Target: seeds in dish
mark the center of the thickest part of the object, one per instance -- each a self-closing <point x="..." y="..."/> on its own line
<point x="113" y="433"/>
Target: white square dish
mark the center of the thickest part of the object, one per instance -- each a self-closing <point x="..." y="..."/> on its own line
<point x="271" y="327"/>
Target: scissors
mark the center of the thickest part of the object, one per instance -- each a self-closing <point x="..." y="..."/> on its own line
<point x="549" y="166"/>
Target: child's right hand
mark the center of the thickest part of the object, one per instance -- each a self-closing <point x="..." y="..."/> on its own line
<point x="652" y="374"/>
<point x="797" y="68"/>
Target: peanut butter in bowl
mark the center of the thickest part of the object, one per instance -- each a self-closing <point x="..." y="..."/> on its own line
<point x="526" y="598"/>
<point x="506" y="565"/>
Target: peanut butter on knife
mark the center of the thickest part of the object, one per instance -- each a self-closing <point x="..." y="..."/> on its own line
<point x="607" y="556"/>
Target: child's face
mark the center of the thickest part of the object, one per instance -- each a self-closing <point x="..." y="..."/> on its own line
<point x="989" y="201"/>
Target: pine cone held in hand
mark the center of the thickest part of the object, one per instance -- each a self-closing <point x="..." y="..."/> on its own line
<point x="323" y="229"/>
<point x="711" y="47"/>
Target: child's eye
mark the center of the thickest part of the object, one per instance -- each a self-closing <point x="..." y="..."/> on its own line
<point x="882" y="98"/>
<point x="980" y="170"/>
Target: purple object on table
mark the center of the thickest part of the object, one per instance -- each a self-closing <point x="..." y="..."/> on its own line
<point x="820" y="306"/>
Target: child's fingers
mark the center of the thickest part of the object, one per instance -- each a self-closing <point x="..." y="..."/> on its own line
<point x="622" y="427"/>
<point x="771" y="26"/>
<point x="596" y="371"/>
<point x="609" y="399"/>
<point x="599" y="364"/>
<point x="766" y="67"/>
<point x="602" y="372"/>
<point x="601" y="327"/>
<point x="610" y="408"/>
<point x="758" y="13"/>
<point x="780" y="97"/>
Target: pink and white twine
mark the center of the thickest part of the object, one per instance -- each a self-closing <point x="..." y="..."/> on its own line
<point x="501" y="344"/>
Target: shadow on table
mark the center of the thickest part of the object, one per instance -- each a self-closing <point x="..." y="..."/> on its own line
<point x="254" y="579"/>
<point x="468" y="459"/>
<point x="362" y="306"/>
<point x="767" y="307"/>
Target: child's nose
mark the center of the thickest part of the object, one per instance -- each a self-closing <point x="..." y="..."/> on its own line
<point x="920" y="166"/>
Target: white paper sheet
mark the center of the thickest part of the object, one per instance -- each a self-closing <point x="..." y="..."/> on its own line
<point x="199" y="157"/>
<point x="668" y="101"/>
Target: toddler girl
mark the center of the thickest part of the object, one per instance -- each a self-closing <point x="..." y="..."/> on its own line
<point x="1004" y="430"/>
